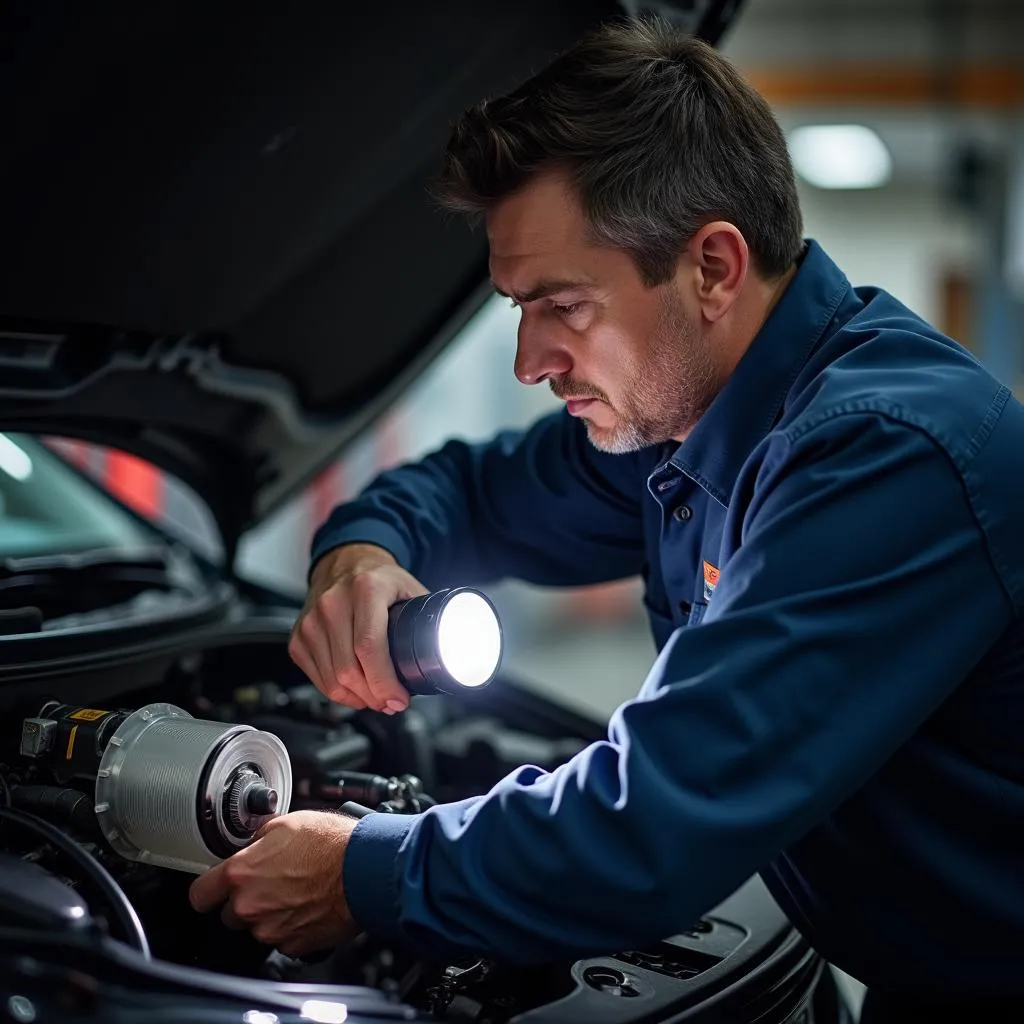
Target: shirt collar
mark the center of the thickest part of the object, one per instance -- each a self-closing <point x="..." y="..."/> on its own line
<point x="746" y="408"/>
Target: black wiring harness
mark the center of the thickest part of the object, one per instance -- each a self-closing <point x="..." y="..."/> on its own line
<point x="92" y="870"/>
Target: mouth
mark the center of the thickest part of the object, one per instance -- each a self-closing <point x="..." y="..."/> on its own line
<point x="577" y="406"/>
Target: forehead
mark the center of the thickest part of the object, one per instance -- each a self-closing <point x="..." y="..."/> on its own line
<point x="537" y="226"/>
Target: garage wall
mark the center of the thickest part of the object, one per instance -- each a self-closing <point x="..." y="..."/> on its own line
<point x="904" y="239"/>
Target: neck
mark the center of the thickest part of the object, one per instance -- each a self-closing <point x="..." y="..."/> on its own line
<point x="728" y="343"/>
<point x="748" y="317"/>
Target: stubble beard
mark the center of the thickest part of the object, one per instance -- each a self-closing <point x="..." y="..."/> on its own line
<point x="665" y="397"/>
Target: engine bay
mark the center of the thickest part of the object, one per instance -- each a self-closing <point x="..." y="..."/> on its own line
<point x="110" y="811"/>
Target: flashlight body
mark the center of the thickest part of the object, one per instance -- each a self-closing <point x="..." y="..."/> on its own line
<point x="413" y="640"/>
<point x="412" y="637"/>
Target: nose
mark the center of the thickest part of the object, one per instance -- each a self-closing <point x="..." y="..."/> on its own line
<point x="539" y="355"/>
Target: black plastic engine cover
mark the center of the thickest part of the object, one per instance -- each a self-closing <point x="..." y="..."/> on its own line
<point x="30" y="896"/>
<point x="743" y="962"/>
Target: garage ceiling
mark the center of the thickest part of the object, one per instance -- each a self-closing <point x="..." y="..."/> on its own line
<point x="956" y="68"/>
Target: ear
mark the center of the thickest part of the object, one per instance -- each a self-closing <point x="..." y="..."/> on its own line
<point x="720" y="258"/>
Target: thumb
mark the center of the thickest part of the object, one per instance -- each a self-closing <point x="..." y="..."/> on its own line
<point x="210" y="889"/>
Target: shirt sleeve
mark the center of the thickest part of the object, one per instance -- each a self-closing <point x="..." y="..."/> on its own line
<point x="862" y="594"/>
<point x="542" y="505"/>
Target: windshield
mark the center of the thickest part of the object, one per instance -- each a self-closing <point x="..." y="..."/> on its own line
<point x="46" y="508"/>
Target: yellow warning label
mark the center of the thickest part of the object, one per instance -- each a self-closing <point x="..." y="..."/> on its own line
<point x="88" y="714"/>
<point x="71" y="743"/>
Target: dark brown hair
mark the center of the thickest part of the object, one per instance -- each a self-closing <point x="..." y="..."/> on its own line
<point x="658" y="133"/>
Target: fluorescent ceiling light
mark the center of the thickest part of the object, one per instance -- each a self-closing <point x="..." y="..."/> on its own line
<point x="840" y="156"/>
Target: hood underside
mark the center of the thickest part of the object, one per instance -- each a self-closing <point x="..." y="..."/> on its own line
<point x="218" y="251"/>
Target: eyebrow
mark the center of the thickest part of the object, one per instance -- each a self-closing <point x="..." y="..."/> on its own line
<point x="542" y="289"/>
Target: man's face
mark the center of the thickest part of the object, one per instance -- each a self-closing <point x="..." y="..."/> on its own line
<point x="631" y="361"/>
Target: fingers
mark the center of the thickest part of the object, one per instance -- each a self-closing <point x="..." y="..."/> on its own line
<point x="370" y="643"/>
<point x="347" y="685"/>
<point x="298" y="648"/>
<point x="341" y="638"/>
<point x="285" y="888"/>
<point x="297" y="652"/>
<point x="218" y="887"/>
<point x="295" y="948"/>
<point x="315" y="648"/>
<point x="229" y="916"/>
<point x="231" y="919"/>
<point x="210" y="889"/>
<point x="318" y="651"/>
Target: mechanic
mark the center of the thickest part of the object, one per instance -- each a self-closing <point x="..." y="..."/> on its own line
<point x="823" y="496"/>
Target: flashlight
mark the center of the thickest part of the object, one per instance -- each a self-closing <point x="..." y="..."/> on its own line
<point x="445" y="642"/>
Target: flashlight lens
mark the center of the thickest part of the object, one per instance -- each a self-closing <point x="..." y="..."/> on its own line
<point x="469" y="639"/>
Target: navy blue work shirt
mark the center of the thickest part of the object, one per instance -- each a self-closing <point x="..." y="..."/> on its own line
<point x="834" y="572"/>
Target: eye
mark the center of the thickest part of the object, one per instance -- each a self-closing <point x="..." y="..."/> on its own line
<point x="567" y="310"/>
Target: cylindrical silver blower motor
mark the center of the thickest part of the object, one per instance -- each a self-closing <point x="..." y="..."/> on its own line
<point x="171" y="789"/>
<point x="185" y="793"/>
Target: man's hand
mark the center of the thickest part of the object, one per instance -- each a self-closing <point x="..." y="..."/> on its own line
<point x="340" y="639"/>
<point x="286" y="887"/>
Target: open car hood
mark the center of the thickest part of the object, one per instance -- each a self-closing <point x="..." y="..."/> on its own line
<point x="218" y="249"/>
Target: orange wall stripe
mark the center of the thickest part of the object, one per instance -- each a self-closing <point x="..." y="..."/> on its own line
<point x="992" y="86"/>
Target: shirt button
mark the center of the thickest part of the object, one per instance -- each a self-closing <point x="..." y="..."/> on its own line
<point x="682" y="513"/>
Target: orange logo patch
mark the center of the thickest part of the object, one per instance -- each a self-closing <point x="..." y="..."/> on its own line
<point x="710" y="580"/>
